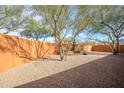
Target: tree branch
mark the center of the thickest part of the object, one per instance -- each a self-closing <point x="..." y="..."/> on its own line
<point x="113" y="30"/>
<point x="121" y="26"/>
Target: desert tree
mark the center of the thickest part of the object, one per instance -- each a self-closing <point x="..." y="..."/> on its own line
<point x="82" y="17"/>
<point x="56" y="18"/>
<point x="109" y="22"/>
<point x="36" y="30"/>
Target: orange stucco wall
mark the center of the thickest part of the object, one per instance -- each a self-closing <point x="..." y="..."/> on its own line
<point x="101" y="48"/>
<point x="15" y="51"/>
<point x="121" y="48"/>
<point x="83" y="48"/>
<point x="105" y="48"/>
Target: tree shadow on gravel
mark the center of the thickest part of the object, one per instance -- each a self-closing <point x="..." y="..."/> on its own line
<point x="106" y="72"/>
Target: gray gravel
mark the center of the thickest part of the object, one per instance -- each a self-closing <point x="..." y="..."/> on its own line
<point x="77" y="71"/>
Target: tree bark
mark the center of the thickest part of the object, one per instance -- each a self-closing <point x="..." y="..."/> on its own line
<point x="115" y="52"/>
<point x="116" y="49"/>
<point x="61" y="52"/>
<point x="73" y="46"/>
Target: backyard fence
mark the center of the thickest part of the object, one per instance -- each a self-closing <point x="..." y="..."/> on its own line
<point x="15" y="51"/>
<point x="106" y="48"/>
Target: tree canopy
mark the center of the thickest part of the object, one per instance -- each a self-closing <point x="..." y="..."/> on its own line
<point x="63" y="21"/>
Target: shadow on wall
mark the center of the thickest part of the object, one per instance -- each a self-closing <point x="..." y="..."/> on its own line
<point x="104" y="72"/>
<point x="15" y="51"/>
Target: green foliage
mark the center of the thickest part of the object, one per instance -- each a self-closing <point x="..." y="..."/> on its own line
<point x="82" y="20"/>
<point x="10" y="17"/>
<point x="33" y="29"/>
<point x="112" y="15"/>
<point x="56" y="18"/>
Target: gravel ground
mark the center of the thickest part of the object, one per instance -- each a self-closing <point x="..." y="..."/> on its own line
<point x="77" y="71"/>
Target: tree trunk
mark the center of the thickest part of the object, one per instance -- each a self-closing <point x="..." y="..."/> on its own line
<point x="73" y="46"/>
<point x="116" y="50"/>
<point x="61" y="52"/>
